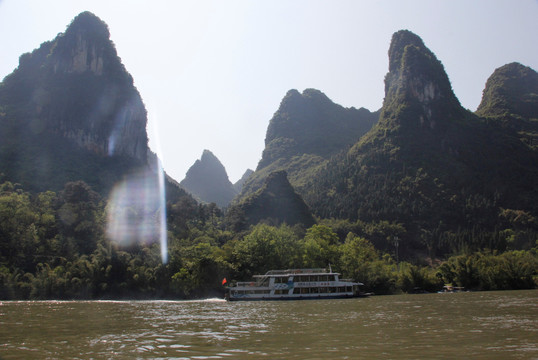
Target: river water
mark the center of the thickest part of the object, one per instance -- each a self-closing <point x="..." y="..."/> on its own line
<point x="480" y="325"/>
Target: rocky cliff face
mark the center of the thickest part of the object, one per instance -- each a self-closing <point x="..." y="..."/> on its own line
<point x="76" y="86"/>
<point x="208" y="181"/>
<point x="70" y="112"/>
<point x="417" y="78"/>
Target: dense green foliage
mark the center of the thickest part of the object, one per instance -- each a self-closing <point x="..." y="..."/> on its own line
<point x="440" y="171"/>
<point x="53" y="245"/>
<point x="447" y="176"/>
<point x="511" y="98"/>
<point x="275" y="203"/>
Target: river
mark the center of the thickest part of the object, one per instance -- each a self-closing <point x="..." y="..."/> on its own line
<point x="479" y="325"/>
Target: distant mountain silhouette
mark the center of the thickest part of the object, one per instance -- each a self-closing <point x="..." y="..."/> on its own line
<point x="238" y="186"/>
<point x="208" y="181"/>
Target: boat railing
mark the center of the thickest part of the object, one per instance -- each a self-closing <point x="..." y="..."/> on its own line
<point x="248" y="283"/>
<point x="295" y="271"/>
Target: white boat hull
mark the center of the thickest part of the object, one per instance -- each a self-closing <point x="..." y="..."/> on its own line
<point x="294" y="284"/>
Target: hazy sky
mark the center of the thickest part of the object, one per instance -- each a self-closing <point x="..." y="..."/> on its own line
<point x="212" y="73"/>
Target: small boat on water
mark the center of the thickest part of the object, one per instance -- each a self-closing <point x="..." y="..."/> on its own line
<point x="294" y="284"/>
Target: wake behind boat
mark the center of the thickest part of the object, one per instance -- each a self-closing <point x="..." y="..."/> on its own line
<point x="294" y="284"/>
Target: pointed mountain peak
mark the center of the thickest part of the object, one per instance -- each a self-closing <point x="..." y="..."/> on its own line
<point x="209" y="165"/>
<point x="277" y="179"/>
<point x="293" y="96"/>
<point x="512" y="89"/>
<point x="292" y="93"/>
<point x="86" y="46"/>
<point x="311" y="123"/>
<point x="207" y="180"/>
<point x="400" y="40"/>
<point x="415" y="71"/>
<point x="315" y="94"/>
<point x="88" y="24"/>
<point x="209" y="156"/>
<point x="417" y="79"/>
<point x="210" y="162"/>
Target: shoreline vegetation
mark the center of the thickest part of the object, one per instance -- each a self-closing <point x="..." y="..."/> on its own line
<point x="45" y="254"/>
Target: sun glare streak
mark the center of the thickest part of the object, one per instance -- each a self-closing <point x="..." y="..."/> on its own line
<point x="136" y="211"/>
<point x="163" y="236"/>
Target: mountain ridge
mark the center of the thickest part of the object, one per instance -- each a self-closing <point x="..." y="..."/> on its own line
<point x="306" y="130"/>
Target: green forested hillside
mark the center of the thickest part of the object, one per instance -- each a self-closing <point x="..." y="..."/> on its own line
<point x="511" y="98"/>
<point x="304" y="133"/>
<point x="54" y="246"/>
<point x="275" y="203"/>
<point x="448" y="176"/>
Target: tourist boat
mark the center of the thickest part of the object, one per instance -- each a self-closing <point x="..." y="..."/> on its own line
<point x="294" y="284"/>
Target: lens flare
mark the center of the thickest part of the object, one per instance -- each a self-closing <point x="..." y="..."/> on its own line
<point x="163" y="231"/>
<point x="136" y="210"/>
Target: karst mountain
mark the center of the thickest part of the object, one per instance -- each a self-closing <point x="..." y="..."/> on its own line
<point x="208" y="181"/>
<point x="443" y="175"/>
<point x="70" y="112"/>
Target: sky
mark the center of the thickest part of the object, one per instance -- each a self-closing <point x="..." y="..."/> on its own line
<point x="213" y="73"/>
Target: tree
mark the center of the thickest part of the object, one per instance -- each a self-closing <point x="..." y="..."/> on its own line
<point x="266" y="248"/>
<point x="320" y="247"/>
<point x="80" y="217"/>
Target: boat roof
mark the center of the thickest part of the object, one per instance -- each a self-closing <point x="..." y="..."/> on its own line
<point x="318" y="271"/>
